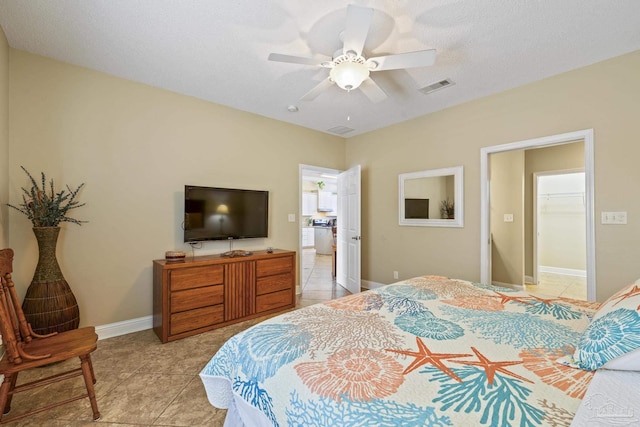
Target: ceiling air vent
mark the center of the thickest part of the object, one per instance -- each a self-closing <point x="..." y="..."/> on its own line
<point x="340" y="130"/>
<point x="436" y="86"/>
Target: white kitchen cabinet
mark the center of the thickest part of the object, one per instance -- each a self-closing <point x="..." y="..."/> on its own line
<point x="309" y="203"/>
<point x="334" y="203"/>
<point x="327" y="201"/>
<point x="308" y="237"/>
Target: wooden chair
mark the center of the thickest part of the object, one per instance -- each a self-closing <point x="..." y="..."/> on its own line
<point x="25" y="349"/>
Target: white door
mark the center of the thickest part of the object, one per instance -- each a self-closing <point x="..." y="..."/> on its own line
<point x="349" y="238"/>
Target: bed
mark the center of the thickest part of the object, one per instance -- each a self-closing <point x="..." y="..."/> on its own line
<point x="427" y="351"/>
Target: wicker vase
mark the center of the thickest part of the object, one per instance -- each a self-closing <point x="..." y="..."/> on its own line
<point x="49" y="304"/>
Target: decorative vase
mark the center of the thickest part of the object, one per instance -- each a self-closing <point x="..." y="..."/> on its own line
<point x="49" y="304"/>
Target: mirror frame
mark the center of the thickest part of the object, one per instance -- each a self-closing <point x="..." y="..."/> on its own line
<point x="458" y="221"/>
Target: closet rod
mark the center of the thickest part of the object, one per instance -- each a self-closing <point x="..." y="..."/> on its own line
<point x="550" y="195"/>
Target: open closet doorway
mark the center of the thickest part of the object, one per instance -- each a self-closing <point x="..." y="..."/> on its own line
<point x="318" y="225"/>
<point x="560" y="252"/>
<point x="585" y="137"/>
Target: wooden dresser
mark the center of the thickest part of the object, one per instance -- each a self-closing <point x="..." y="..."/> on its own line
<point x="207" y="292"/>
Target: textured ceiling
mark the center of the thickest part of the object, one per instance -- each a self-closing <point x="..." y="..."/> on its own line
<point x="217" y="50"/>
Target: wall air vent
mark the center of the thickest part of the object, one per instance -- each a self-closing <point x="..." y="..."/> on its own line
<point x="340" y="130"/>
<point x="436" y="86"/>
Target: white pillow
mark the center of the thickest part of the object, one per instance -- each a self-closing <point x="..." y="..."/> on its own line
<point x="628" y="362"/>
<point x="612" y="339"/>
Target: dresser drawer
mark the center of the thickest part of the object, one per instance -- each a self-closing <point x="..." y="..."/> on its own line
<point x="195" y="277"/>
<point x="198" y="318"/>
<point x="269" y="267"/>
<point x="274" y="300"/>
<point x="196" y="298"/>
<point x="279" y="282"/>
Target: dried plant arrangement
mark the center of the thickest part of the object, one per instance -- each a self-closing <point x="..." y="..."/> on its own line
<point x="44" y="206"/>
<point x="447" y="208"/>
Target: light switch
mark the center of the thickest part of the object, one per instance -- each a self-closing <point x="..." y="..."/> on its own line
<point x="508" y="217"/>
<point x="619" y="218"/>
<point x="292" y="217"/>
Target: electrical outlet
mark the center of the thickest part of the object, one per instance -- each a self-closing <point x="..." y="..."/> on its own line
<point x="395" y="274"/>
<point x="292" y="217"/>
<point x="508" y="217"/>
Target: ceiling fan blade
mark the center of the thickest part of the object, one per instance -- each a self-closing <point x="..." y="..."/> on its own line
<point x="298" y="59"/>
<point x="372" y="90"/>
<point x="420" y="58"/>
<point x="317" y="90"/>
<point x="356" y="28"/>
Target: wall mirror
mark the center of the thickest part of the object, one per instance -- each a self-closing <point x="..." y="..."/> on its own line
<point x="432" y="198"/>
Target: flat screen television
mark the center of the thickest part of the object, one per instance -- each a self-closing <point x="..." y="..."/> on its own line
<point x="224" y="213"/>
<point x="416" y="208"/>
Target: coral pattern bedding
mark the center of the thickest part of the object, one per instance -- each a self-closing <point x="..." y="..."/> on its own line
<point x="428" y="351"/>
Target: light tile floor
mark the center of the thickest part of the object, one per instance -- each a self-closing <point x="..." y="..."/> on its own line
<point x="317" y="283"/>
<point x="142" y="382"/>
<point x="560" y="285"/>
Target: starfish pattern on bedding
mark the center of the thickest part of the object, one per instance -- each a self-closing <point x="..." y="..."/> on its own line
<point x="506" y="298"/>
<point x="545" y="301"/>
<point x="491" y="367"/>
<point x="424" y="356"/>
<point x="631" y="293"/>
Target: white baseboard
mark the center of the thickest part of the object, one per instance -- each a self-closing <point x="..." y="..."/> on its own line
<point x="125" y="327"/>
<point x="563" y="271"/>
<point x="529" y="279"/>
<point x="508" y="285"/>
<point x="368" y="284"/>
<point x="113" y="329"/>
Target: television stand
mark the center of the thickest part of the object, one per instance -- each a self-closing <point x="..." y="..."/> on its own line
<point x="206" y="292"/>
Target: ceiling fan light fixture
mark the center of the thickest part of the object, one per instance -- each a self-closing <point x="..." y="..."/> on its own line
<point x="349" y="74"/>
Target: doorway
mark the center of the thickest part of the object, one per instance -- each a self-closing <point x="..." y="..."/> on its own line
<point x="318" y="219"/>
<point x="559" y="234"/>
<point x="586" y="136"/>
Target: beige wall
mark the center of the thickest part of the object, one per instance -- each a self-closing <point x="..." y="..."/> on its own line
<point x="560" y="157"/>
<point x="507" y="197"/>
<point x="603" y="96"/>
<point x="4" y="139"/>
<point x="136" y="147"/>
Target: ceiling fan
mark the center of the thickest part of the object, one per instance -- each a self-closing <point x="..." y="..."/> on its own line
<point x="349" y="69"/>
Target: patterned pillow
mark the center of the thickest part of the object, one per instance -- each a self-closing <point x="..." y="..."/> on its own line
<point x="612" y="339"/>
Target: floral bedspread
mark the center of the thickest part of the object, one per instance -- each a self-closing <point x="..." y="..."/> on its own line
<point x="428" y="351"/>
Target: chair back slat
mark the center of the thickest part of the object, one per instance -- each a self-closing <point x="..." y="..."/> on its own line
<point x="11" y="337"/>
<point x="7" y="306"/>
<point x="21" y="327"/>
